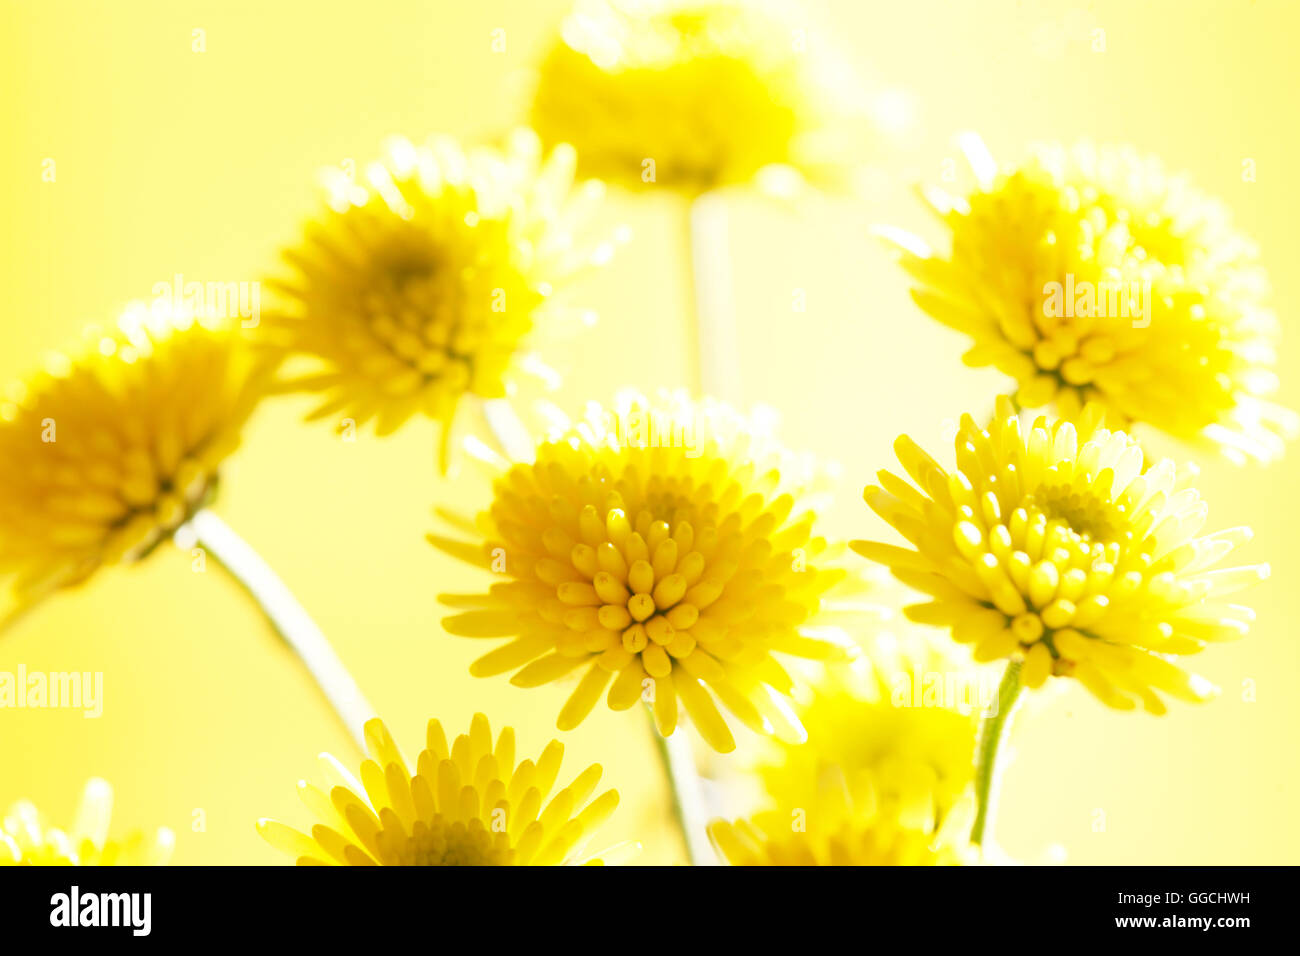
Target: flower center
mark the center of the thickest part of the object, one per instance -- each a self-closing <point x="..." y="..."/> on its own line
<point x="1087" y="516"/>
<point x="647" y="588"/>
<point x="412" y="309"/>
<point x="1054" y="563"/>
<point x="643" y="581"/>
<point x="438" y="843"/>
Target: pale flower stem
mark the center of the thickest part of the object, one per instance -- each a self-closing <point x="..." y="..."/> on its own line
<point x="507" y="429"/>
<point x="993" y="730"/>
<point x="717" y="342"/>
<point x="684" y="785"/>
<point x="717" y="374"/>
<point x="288" y="618"/>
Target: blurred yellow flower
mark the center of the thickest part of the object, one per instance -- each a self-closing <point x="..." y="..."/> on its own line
<point x="420" y="285"/>
<point x="26" y="839"/>
<point x="691" y="95"/>
<point x="469" y="804"/>
<point x="834" y="829"/>
<point x="103" y="455"/>
<point x="1092" y="275"/>
<point x="667" y="547"/>
<point x="899" y="722"/>
<point x="1061" y="547"/>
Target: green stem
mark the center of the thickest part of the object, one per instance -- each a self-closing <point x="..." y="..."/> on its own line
<point x="289" y="619"/>
<point x="993" y="729"/>
<point x="684" y="788"/>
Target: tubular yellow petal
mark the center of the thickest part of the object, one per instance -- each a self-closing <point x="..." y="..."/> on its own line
<point x="544" y="670"/>
<point x="704" y="714"/>
<point x="628" y="687"/>
<point x="484" y="623"/>
<point x="665" y="705"/>
<point x="286" y="839"/>
<point x="583" y="698"/>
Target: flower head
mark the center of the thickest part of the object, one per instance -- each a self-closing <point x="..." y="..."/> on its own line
<point x="420" y="286"/>
<point x="884" y="778"/>
<point x="692" y="95"/>
<point x="665" y="547"/>
<point x="25" y="838"/>
<point x="1092" y="275"/>
<point x="103" y="455"/>
<point x="834" y="829"/>
<point x="1060" y="546"/>
<point x="469" y="804"/>
<point x="899" y="723"/>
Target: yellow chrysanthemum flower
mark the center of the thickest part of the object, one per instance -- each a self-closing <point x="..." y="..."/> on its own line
<point x="666" y="547"/>
<point x="26" y="839"/>
<point x="104" y="455"/>
<point x="899" y="722"/>
<point x="834" y="829"/>
<point x="469" y="804"/>
<point x="1092" y="275"/>
<point x="690" y="95"/>
<point x="1061" y="547"/>
<point x="421" y="285"/>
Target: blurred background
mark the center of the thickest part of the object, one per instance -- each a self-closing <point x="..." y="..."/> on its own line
<point x="170" y="159"/>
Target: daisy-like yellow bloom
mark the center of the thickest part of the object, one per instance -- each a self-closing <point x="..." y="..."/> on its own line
<point x="665" y="550"/>
<point x="1059" y="545"/>
<point x="420" y="284"/>
<point x="690" y="95"/>
<point x="468" y="804"/>
<point x="105" y="454"/>
<point x="835" y="829"/>
<point x="26" y="838"/>
<point x="899" y="722"/>
<point x="1093" y="275"/>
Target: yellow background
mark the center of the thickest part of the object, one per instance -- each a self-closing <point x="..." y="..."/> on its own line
<point x="170" y="160"/>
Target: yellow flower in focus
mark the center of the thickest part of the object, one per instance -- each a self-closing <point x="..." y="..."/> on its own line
<point x="707" y="92"/>
<point x="899" y="722"/>
<point x="104" y="455"/>
<point x="26" y="839"/>
<point x="421" y="285"/>
<point x="665" y="547"/>
<point x="1092" y="275"/>
<point x="469" y="804"/>
<point x="833" y="830"/>
<point x="1060" y="546"/>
